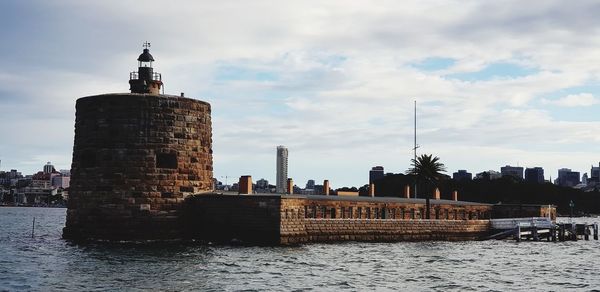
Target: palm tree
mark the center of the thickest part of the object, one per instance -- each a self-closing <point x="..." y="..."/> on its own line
<point x="427" y="168"/>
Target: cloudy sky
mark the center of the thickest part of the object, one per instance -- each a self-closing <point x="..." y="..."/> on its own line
<point x="496" y="82"/>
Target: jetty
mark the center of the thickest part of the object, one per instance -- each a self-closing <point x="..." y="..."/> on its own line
<point x="541" y="228"/>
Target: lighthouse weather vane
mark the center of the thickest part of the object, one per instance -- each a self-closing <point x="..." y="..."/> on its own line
<point x="146" y="45"/>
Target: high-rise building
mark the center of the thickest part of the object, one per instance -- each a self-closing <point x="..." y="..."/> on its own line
<point x="375" y="173"/>
<point x="282" y="169"/>
<point x="534" y="175"/>
<point x="514" y="171"/>
<point x="462" y="174"/>
<point x="567" y="178"/>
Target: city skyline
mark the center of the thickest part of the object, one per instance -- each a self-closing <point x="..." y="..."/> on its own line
<point x="512" y="83"/>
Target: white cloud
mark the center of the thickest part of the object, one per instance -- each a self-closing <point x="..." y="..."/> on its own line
<point x="342" y="100"/>
<point x="574" y="100"/>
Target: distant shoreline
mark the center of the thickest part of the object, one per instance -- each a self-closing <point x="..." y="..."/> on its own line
<point x="15" y="206"/>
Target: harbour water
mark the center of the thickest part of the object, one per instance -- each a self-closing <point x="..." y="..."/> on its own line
<point x="48" y="263"/>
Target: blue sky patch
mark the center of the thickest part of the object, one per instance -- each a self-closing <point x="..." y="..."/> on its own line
<point x="434" y="64"/>
<point x="586" y="88"/>
<point x="571" y="114"/>
<point x="495" y="70"/>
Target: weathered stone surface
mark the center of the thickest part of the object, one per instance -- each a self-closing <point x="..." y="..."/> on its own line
<point x="135" y="157"/>
<point x="274" y="219"/>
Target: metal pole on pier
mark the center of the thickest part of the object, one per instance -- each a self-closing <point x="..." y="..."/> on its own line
<point x="415" y="150"/>
<point x="534" y="232"/>
<point x="33" y="227"/>
<point x="586" y="232"/>
<point x="571" y="205"/>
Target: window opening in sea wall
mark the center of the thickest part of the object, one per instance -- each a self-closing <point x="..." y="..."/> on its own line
<point x="359" y="213"/>
<point x="166" y="160"/>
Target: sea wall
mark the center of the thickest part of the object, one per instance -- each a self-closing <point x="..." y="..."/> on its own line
<point x="288" y="219"/>
<point x="331" y="219"/>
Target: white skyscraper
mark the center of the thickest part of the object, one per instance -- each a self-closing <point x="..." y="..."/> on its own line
<point x="282" y="169"/>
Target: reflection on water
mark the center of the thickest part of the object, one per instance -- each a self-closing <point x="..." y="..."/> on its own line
<point x="46" y="262"/>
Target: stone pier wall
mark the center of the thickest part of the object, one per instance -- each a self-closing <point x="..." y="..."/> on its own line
<point x="225" y="218"/>
<point x="285" y="219"/>
<point x="321" y="219"/>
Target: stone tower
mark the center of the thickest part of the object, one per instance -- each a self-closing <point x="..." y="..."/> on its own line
<point x="136" y="157"/>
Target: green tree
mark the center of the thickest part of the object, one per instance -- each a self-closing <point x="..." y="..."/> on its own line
<point x="427" y="168"/>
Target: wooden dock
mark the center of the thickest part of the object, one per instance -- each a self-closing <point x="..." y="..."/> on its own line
<point x="540" y="228"/>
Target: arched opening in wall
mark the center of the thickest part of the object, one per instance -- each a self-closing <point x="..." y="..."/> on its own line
<point x="368" y="212"/>
<point x="166" y="160"/>
<point x="332" y="211"/>
<point x="359" y="212"/>
<point x="350" y="215"/>
<point x="343" y="212"/>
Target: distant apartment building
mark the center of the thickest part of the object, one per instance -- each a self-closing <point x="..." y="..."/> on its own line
<point x="375" y="173"/>
<point x="49" y="168"/>
<point x="60" y="181"/>
<point x="310" y="184"/>
<point x="595" y="174"/>
<point x="262" y="184"/>
<point x="282" y="169"/>
<point x="513" y="171"/>
<point x="490" y="174"/>
<point x="462" y="174"/>
<point x="567" y="178"/>
<point x="534" y="175"/>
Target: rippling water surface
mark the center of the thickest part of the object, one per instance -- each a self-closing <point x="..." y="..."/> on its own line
<point x="46" y="262"/>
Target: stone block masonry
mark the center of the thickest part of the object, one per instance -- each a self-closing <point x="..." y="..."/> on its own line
<point x="135" y="158"/>
<point x="285" y="219"/>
